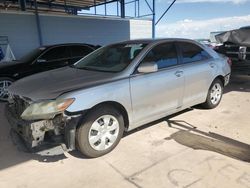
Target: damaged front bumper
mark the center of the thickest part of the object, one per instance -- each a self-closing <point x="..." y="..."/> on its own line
<point x="59" y="130"/>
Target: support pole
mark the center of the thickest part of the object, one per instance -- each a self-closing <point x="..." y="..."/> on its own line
<point x="122" y="8"/>
<point x="22" y="4"/>
<point x="138" y="8"/>
<point x="95" y="6"/>
<point x="38" y="24"/>
<point x="153" y="20"/>
<point x="117" y="8"/>
<point x="105" y="7"/>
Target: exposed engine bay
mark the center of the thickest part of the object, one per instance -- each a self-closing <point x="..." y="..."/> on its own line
<point x="60" y="129"/>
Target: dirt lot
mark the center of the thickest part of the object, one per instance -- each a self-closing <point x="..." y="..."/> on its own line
<point x="196" y="148"/>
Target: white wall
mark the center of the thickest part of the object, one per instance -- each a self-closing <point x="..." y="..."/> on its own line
<point x="21" y="29"/>
<point x="140" y="29"/>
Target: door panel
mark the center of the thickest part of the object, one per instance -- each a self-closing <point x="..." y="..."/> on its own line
<point x="155" y="94"/>
<point x="197" y="78"/>
<point x="199" y="69"/>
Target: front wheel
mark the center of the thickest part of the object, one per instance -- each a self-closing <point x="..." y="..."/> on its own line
<point x="101" y="131"/>
<point x="4" y="84"/>
<point x="214" y="94"/>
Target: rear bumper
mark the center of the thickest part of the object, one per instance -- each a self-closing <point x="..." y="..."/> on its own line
<point x="227" y="79"/>
<point x="60" y="130"/>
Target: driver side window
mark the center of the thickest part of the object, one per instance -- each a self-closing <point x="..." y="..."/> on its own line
<point x="164" y="55"/>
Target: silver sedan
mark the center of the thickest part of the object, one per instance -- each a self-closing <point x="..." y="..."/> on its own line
<point x="116" y="88"/>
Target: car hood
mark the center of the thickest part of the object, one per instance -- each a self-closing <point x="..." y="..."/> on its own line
<point x="51" y="84"/>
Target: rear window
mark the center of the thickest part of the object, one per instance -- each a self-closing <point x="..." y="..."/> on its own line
<point x="192" y="53"/>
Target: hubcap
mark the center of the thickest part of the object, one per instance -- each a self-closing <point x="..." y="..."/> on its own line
<point x="103" y="132"/>
<point x="3" y="89"/>
<point x="216" y="93"/>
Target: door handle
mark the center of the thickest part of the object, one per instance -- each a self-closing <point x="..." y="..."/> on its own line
<point x="178" y="73"/>
<point x="212" y="65"/>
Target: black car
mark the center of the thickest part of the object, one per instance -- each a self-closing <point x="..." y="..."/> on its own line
<point x="39" y="60"/>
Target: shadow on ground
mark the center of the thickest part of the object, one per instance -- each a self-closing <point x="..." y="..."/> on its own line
<point x="188" y="135"/>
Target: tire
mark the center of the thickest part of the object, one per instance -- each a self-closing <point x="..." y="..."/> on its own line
<point x="4" y="84"/>
<point x="94" y="137"/>
<point x="216" y="89"/>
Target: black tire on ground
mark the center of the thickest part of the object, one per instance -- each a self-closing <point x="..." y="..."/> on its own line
<point x="5" y="79"/>
<point x="82" y="133"/>
<point x="208" y="104"/>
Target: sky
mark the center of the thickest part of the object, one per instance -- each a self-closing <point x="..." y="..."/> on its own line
<point x="197" y="18"/>
<point x="192" y="18"/>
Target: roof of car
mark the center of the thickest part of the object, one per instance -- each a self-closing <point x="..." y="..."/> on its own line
<point x="156" y="40"/>
<point x="67" y="44"/>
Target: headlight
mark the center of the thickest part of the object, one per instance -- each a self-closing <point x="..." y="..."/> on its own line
<point x="46" y="109"/>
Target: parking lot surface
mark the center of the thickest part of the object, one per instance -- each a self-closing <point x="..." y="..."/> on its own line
<point x="196" y="148"/>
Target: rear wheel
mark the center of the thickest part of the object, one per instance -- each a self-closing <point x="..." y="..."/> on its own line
<point x="4" y="84"/>
<point x="214" y="94"/>
<point x="101" y="131"/>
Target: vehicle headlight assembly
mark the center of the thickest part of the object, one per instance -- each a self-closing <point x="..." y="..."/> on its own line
<point x="46" y="109"/>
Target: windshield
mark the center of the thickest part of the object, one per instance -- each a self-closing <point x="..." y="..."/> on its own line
<point x="32" y="55"/>
<point x="113" y="58"/>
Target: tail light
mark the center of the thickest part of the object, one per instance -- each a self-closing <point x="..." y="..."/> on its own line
<point x="229" y="61"/>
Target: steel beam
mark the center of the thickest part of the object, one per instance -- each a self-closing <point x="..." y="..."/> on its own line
<point x="122" y="8"/>
<point x="165" y="12"/>
<point x="153" y="20"/>
<point x="149" y="5"/>
<point x="38" y="24"/>
<point x="22" y="4"/>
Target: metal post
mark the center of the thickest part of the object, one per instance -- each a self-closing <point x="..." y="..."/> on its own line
<point x="138" y="8"/>
<point x="122" y="8"/>
<point x="22" y="4"/>
<point x="135" y="7"/>
<point x="95" y="6"/>
<point x="105" y="7"/>
<point x="153" y="20"/>
<point x="38" y="24"/>
<point x="75" y="11"/>
<point x="117" y="8"/>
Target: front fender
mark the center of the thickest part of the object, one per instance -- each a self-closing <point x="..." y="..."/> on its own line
<point x="118" y="91"/>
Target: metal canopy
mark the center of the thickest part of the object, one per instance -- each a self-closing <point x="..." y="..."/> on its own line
<point x="76" y="3"/>
<point x="77" y="6"/>
<point x="52" y="5"/>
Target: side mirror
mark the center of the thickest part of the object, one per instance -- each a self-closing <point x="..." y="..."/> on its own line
<point x="148" y="67"/>
<point x="41" y="60"/>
